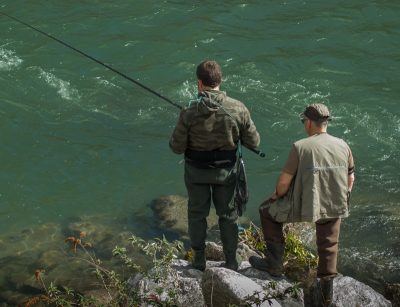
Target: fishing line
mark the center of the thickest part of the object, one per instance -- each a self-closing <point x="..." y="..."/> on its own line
<point x="258" y="152"/>
<point x="96" y="60"/>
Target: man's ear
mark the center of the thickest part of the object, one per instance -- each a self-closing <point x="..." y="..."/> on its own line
<point x="200" y="85"/>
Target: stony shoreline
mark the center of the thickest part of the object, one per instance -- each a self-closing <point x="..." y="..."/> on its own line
<point x="43" y="248"/>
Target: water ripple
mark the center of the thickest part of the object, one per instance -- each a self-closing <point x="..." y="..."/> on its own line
<point x="64" y="88"/>
<point x="8" y="60"/>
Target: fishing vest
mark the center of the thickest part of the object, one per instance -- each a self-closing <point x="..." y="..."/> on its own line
<point x="319" y="188"/>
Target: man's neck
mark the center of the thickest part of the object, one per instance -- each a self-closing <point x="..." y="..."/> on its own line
<point x="207" y="88"/>
<point x="313" y="129"/>
<point x="316" y="131"/>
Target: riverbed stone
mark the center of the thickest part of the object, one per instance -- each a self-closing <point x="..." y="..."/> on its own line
<point x="222" y="287"/>
<point x="187" y="290"/>
<point x="349" y="292"/>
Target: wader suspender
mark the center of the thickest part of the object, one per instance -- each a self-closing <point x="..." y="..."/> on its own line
<point x="241" y="194"/>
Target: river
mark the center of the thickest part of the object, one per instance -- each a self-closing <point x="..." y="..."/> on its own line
<point x="77" y="139"/>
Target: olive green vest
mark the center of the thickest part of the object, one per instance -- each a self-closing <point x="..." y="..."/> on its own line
<point x="319" y="189"/>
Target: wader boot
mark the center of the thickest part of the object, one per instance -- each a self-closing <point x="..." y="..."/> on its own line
<point x="199" y="260"/>
<point x="232" y="261"/>
<point x="323" y="293"/>
<point x="229" y="238"/>
<point x="273" y="261"/>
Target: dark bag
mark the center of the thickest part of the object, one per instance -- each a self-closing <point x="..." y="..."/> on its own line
<point x="241" y="195"/>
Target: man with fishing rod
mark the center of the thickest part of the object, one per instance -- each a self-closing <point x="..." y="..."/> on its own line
<point x="314" y="186"/>
<point x="209" y="132"/>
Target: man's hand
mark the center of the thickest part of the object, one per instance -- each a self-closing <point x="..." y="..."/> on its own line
<point x="273" y="197"/>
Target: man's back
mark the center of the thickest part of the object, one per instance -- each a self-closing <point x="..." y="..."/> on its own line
<point x="214" y="122"/>
<point x="321" y="183"/>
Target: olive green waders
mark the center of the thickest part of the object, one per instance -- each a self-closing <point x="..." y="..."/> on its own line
<point x="203" y="186"/>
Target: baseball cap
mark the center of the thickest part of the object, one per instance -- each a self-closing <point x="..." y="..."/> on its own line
<point x="317" y="112"/>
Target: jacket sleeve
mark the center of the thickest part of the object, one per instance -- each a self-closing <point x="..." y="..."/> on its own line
<point x="249" y="134"/>
<point x="179" y="139"/>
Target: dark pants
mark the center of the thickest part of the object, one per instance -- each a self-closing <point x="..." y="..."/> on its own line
<point x="327" y="232"/>
<point x="218" y="185"/>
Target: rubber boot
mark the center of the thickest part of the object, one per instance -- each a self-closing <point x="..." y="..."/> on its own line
<point x="199" y="260"/>
<point x="273" y="261"/>
<point x="323" y="294"/>
<point x="229" y="238"/>
<point x="232" y="261"/>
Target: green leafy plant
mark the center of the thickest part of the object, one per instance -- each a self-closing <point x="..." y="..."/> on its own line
<point x="252" y="236"/>
<point x="161" y="254"/>
<point x="295" y="251"/>
<point x="299" y="263"/>
<point x="120" y="293"/>
<point x="270" y="292"/>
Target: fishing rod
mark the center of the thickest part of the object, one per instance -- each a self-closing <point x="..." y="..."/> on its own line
<point x="258" y="152"/>
<point x="96" y="60"/>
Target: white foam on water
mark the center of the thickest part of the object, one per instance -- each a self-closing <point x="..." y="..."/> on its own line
<point x="96" y="110"/>
<point x="131" y="43"/>
<point x="187" y="90"/>
<point x="64" y="88"/>
<point x="106" y="83"/>
<point x="208" y="40"/>
<point x="332" y="71"/>
<point x="150" y="113"/>
<point x="8" y="60"/>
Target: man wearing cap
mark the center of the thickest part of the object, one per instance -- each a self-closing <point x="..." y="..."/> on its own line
<point x="314" y="186"/>
<point x="207" y="132"/>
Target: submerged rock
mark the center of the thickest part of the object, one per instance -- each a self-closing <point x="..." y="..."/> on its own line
<point x="44" y="248"/>
<point x="171" y="213"/>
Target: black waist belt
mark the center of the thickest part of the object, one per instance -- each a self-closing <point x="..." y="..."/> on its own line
<point x="211" y="159"/>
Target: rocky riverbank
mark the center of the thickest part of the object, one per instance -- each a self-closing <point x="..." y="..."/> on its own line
<point x="43" y="249"/>
<point x="171" y="211"/>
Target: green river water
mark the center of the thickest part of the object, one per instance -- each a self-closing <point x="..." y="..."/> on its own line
<point x="76" y="139"/>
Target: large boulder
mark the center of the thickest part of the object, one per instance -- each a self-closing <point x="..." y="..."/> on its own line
<point x="349" y="292"/>
<point x="285" y="292"/>
<point x="223" y="287"/>
<point x="179" y="279"/>
<point x="218" y="286"/>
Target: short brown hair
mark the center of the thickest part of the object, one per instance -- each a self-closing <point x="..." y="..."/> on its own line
<point x="317" y="112"/>
<point x="209" y="72"/>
